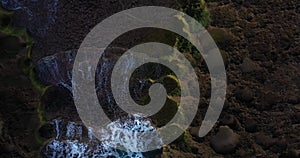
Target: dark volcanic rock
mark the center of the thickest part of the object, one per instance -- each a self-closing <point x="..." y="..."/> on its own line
<point x="7" y="148"/>
<point x="267" y="101"/>
<point x="231" y="121"/>
<point x="268" y="36"/>
<point x="47" y="131"/>
<point x="225" y="140"/>
<point x="264" y="140"/>
<point x="290" y="154"/>
<point x="60" y="25"/>
<point x="245" y="95"/>
<point x="224" y="16"/>
<point x="37" y="16"/>
<point x="251" y="125"/>
<point x="249" y="66"/>
<point x="56" y="69"/>
<point x="57" y="101"/>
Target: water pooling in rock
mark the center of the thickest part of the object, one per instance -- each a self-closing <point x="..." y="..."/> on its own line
<point x="74" y="140"/>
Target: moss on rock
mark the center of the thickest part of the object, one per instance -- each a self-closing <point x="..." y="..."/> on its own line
<point x="166" y="113"/>
<point x="171" y="84"/>
<point x="197" y="9"/>
<point x="183" y="143"/>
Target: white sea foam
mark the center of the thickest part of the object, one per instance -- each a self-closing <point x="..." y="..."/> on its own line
<point x="69" y="140"/>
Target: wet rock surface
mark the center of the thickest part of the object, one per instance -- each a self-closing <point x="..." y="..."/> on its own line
<point x="66" y="21"/>
<point x="261" y="43"/>
<point x="19" y="119"/>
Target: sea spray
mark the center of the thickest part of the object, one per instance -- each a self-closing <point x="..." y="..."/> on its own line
<point x="74" y="140"/>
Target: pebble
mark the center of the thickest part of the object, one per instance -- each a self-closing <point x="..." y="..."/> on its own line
<point x="245" y="95"/>
<point x="249" y="66"/>
<point x="225" y="141"/>
<point x="194" y="131"/>
<point x="231" y="121"/>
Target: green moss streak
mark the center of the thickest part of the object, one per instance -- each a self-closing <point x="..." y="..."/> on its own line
<point x="6" y="29"/>
<point x="198" y="10"/>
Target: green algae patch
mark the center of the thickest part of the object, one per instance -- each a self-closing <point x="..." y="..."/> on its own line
<point x="171" y="83"/>
<point x="6" y="28"/>
<point x="183" y="143"/>
<point x="196" y="9"/>
<point x="41" y="114"/>
<point x="41" y="88"/>
<point x="13" y="40"/>
<point x="16" y="44"/>
<point x="166" y="113"/>
<point x="17" y="41"/>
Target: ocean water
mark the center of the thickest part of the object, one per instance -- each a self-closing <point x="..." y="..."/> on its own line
<point x="74" y="140"/>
